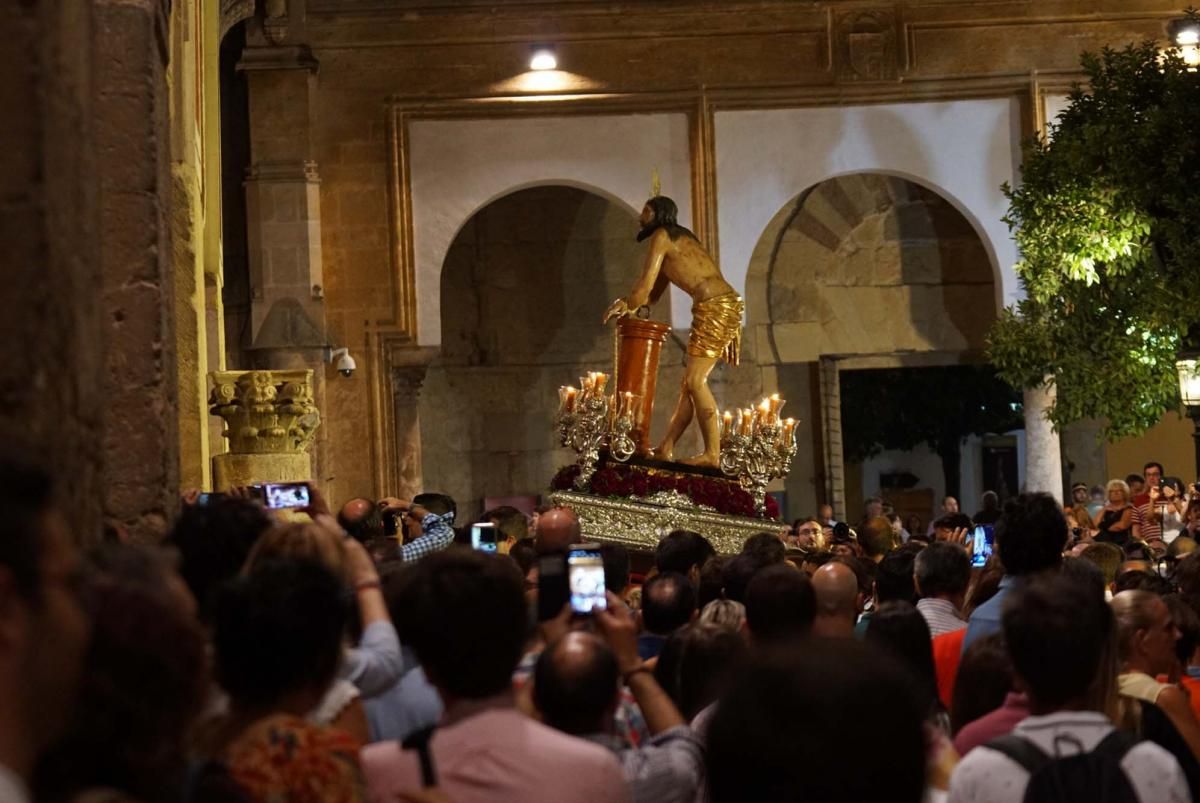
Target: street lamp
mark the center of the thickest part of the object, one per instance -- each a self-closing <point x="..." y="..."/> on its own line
<point x="1187" y="365"/>
<point x="1184" y="34"/>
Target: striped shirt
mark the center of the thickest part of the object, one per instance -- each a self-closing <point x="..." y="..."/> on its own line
<point x="940" y="615"/>
<point x="1143" y="517"/>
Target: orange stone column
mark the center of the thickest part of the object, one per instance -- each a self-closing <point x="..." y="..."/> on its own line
<point x="641" y="345"/>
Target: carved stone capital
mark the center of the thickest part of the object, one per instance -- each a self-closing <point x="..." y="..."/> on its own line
<point x="406" y="384"/>
<point x="265" y="412"/>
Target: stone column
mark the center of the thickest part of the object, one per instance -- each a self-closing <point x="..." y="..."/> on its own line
<point x="283" y="211"/>
<point x="406" y="392"/>
<point x="53" y="373"/>
<point x="270" y="420"/>
<point x="1043" y="450"/>
<point x="140" y="405"/>
<point x="831" y="418"/>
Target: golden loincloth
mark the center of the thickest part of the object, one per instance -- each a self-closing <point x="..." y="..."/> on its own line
<point x="717" y="328"/>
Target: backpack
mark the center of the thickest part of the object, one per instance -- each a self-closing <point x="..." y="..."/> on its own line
<point x="1081" y="777"/>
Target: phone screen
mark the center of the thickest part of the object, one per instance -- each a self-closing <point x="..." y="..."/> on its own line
<point x="982" y="545"/>
<point x="278" y="495"/>
<point x="483" y="537"/>
<point x="585" y="576"/>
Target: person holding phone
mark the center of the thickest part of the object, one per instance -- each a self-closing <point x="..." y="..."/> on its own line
<point x="428" y="523"/>
<point x="470" y="626"/>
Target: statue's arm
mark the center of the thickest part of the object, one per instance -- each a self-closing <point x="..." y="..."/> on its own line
<point x="660" y="286"/>
<point x="644" y="290"/>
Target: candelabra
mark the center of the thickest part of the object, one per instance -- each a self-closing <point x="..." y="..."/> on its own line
<point x="588" y="421"/>
<point x="758" y="447"/>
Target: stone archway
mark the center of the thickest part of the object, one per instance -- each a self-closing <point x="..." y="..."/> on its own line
<point x="523" y="288"/>
<point x="872" y="267"/>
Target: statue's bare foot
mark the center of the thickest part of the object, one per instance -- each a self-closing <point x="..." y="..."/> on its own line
<point x="702" y="461"/>
<point x="664" y="453"/>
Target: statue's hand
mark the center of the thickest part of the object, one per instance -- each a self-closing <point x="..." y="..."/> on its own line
<point x="617" y="309"/>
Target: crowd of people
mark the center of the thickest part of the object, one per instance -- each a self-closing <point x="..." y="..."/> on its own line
<point x="374" y="654"/>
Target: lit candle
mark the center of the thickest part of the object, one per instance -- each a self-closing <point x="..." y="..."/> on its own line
<point x="626" y="403"/>
<point x="726" y="423"/>
<point x="747" y="423"/>
<point x="601" y="381"/>
<point x="774" y="403"/>
<point x="789" y="430"/>
<point x="570" y="398"/>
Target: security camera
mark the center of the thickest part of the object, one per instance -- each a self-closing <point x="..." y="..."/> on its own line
<point x="342" y="361"/>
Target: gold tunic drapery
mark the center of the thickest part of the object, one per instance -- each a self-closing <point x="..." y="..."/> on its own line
<point x="717" y="328"/>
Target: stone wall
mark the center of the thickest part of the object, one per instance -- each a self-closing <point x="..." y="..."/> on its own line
<point x="140" y="410"/>
<point x="90" y="376"/>
<point x="51" y="376"/>
<point x="389" y="67"/>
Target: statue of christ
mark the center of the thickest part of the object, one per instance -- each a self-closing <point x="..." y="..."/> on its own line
<point x="677" y="257"/>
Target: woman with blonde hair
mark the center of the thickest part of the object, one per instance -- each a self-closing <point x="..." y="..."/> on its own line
<point x="1116" y="524"/>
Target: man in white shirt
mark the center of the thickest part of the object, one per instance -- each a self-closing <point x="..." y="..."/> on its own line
<point x="43" y="629"/>
<point x="941" y="574"/>
<point x="1056" y="631"/>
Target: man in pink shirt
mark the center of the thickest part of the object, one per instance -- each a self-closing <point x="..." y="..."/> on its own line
<point x="472" y="622"/>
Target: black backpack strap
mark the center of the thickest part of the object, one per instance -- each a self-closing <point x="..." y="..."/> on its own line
<point x="1115" y="745"/>
<point x="1020" y="750"/>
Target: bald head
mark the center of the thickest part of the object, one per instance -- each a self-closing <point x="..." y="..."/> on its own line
<point x="557" y="529"/>
<point x="836" y="587"/>
<point x="575" y="684"/>
<point x="357" y="508"/>
<point x="360" y="519"/>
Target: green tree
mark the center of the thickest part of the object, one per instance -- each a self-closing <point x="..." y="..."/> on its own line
<point x="1107" y="219"/>
<point x="901" y="408"/>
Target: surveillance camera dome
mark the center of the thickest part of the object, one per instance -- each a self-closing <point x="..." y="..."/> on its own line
<point x="346" y="365"/>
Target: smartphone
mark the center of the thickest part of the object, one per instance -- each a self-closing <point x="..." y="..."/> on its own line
<point x="553" y="590"/>
<point x="277" y="495"/>
<point x="390" y="529"/>
<point x="483" y="537"/>
<point x="982" y="542"/>
<point x="585" y="578"/>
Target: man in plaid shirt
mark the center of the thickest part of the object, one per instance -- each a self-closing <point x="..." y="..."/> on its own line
<point x="428" y="523"/>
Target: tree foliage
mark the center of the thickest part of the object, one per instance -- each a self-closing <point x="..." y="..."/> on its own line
<point x="1107" y="219"/>
<point x="901" y="408"/>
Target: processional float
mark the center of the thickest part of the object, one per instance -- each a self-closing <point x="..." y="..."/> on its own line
<point x="623" y="490"/>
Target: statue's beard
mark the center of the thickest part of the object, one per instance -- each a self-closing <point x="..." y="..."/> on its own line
<point x="648" y="229"/>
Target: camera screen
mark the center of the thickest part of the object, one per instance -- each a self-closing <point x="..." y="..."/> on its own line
<point x="981" y="545"/>
<point x="585" y="575"/>
<point x="282" y="495"/>
<point x="483" y="537"/>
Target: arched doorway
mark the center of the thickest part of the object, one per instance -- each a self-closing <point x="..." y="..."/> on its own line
<point x="523" y="289"/>
<point x="861" y="272"/>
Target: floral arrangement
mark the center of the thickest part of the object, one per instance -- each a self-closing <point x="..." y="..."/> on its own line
<point x="727" y="497"/>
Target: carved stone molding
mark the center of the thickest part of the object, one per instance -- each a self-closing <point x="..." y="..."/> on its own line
<point x="233" y="12"/>
<point x="865" y="45"/>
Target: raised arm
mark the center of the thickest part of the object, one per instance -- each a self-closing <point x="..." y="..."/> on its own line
<point x="644" y="290"/>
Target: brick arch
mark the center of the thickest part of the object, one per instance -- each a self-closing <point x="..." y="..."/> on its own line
<point x="821" y="228"/>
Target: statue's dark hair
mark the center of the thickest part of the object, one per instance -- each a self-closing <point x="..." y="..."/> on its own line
<point x="666" y="214"/>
